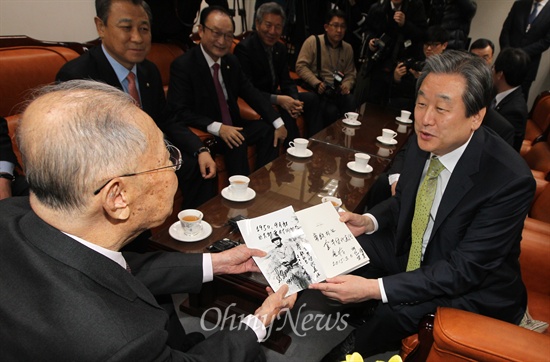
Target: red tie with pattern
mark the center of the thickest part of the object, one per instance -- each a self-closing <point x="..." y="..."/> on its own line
<point x="226" y="117"/>
<point x="132" y="89"/>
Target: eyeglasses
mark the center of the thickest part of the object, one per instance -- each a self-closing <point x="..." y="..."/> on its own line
<point x="219" y="34"/>
<point x="175" y="159"/>
<point x="338" y="26"/>
<point x="432" y="44"/>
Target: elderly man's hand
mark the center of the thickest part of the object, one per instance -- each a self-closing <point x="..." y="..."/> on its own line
<point x="275" y="305"/>
<point x="236" y="260"/>
<point x="280" y="135"/>
<point x="232" y="136"/>
<point x="207" y="165"/>
<point x="349" y="288"/>
<point x="293" y="106"/>
<point x="357" y="224"/>
<point x="399" y="18"/>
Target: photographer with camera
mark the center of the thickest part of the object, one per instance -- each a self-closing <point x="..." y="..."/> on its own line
<point x="326" y="65"/>
<point x="407" y="71"/>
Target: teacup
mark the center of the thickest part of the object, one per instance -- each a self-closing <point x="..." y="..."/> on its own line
<point x="405" y="115"/>
<point x="191" y="221"/>
<point x="336" y="202"/>
<point x="388" y="134"/>
<point x="300" y="146"/>
<point x="238" y="185"/>
<point x="361" y="160"/>
<point x="352" y="115"/>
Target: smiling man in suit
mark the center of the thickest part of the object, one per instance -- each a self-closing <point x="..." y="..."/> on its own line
<point x="451" y="234"/>
<point x="527" y="26"/>
<point x="205" y="83"/>
<point x="124" y="27"/>
<point x="100" y="172"/>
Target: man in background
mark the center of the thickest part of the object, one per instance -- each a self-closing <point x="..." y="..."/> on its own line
<point x="100" y="172"/>
<point x="124" y="27"/>
<point x="483" y="48"/>
<point x="264" y="60"/>
<point x="11" y="182"/>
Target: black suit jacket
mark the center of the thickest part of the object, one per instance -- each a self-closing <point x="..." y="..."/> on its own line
<point x="6" y="149"/>
<point x="255" y="65"/>
<point x="94" y="65"/>
<point x="514" y="109"/>
<point x="192" y="98"/>
<point x="62" y="301"/>
<point x="472" y="255"/>
<point x="535" y="41"/>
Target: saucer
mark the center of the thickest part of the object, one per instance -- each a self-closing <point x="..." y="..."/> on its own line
<point x="351" y="122"/>
<point x="176" y="231"/>
<point x="227" y="194"/>
<point x="351" y="166"/>
<point x="292" y="151"/>
<point x="382" y="140"/>
<point x="407" y="121"/>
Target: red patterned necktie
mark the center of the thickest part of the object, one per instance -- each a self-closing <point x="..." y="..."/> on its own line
<point x="132" y="89"/>
<point x="226" y="117"/>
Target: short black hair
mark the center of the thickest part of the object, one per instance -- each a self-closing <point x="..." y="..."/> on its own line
<point x="514" y="63"/>
<point x="103" y="8"/>
<point x="335" y="13"/>
<point x="436" y="33"/>
<point x="482" y="43"/>
<point x="210" y="9"/>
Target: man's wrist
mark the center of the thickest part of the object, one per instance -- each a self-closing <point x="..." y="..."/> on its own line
<point x="7" y="176"/>
<point x="201" y="150"/>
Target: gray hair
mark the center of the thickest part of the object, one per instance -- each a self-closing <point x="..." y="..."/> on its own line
<point x="270" y="8"/>
<point x="103" y="8"/>
<point x="472" y="68"/>
<point x="92" y="138"/>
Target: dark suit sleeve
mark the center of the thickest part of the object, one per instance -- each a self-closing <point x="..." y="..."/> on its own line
<point x="504" y="39"/>
<point x="6" y="150"/>
<point x="247" y="60"/>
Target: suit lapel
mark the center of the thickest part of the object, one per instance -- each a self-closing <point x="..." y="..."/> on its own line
<point x="205" y="75"/>
<point x="106" y="72"/>
<point x="145" y="89"/>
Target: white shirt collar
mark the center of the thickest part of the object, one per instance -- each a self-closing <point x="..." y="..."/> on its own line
<point x="115" y="256"/>
<point x="499" y="97"/>
<point x="120" y="70"/>
<point x="450" y="159"/>
<point x="209" y="59"/>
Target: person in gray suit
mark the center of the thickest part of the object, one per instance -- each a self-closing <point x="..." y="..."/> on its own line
<point x="100" y="173"/>
<point x="459" y="246"/>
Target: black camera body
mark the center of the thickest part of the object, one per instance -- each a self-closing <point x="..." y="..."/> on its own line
<point x="380" y="45"/>
<point x="332" y="90"/>
<point x="414" y="64"/>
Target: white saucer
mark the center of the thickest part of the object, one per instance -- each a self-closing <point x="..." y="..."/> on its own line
<point x="351" y="166"/>
<point x="176" y="231"/>
<point x="351" y="122"/>
<point x="407" y="121"/>
<point x="292" y="151"/>
<point x="227" y="194"/>
<point x="382" y="140"/>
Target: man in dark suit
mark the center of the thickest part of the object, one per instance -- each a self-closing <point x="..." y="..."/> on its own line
<point x="528" y="31"/>
<point x="11" y="182"/>
<point x="62" y="243"/>
<point x="124" y="29"/>
<point x="205" y="83"/>
<point x="451" y="234"/>
<point x="264" y="60"/>
<point x="509" y="71"/>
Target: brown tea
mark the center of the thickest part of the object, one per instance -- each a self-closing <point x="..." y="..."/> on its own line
<point x="239" y="182"/>
<point x="334" y="203"/>
<point x="190" y="218"/>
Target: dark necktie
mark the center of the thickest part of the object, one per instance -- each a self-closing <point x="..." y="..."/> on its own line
<point x="424" y="200"/>
<point x="533" y="14"/>
<point x="271" y="67"/>
<point x="132" y="89"/>
<point x="226" y="116"/>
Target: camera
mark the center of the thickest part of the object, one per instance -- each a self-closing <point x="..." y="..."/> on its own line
<point x="380" y="45"/>
<point x="414" y="64"/>
<point x="333" y="89"/>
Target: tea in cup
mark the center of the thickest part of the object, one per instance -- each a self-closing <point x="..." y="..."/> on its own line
<point x="191" y="221"/>
<point x="388" y="134"/>
<point x="352" y="115"/>
<point x="336" y="202"/>
<point x="238" y="185"/>
<point x="300" y="146"/>
<point x="405" y="115"/>
<point x="361" y="160"/>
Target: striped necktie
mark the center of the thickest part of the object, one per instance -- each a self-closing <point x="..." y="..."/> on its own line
<point x="132" y="89"/>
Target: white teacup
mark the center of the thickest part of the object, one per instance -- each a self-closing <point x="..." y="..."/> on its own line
<point x="405" y="115"/>
<point x="384" y="152"/>
<point x="336" y="202"/>
<point x="388" y="134"/>
<point x="352" y="115"/>
<point x="300" y="146"/>
<point x="348" y="131"/>
<point x="238" y="185"/>
<point x="361" y="160"/>
<point x="191" y="221"/>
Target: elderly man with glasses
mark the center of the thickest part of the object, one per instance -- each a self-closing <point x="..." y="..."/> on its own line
<point x="68" y="293"/>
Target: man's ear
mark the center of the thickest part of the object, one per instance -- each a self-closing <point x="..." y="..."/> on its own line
<point x="200" y="30"/>
<point x="100" y="26"/>
<point x="477" y="119"/>
<point x="444" y="45"/>
<point x="115" y="200"/>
